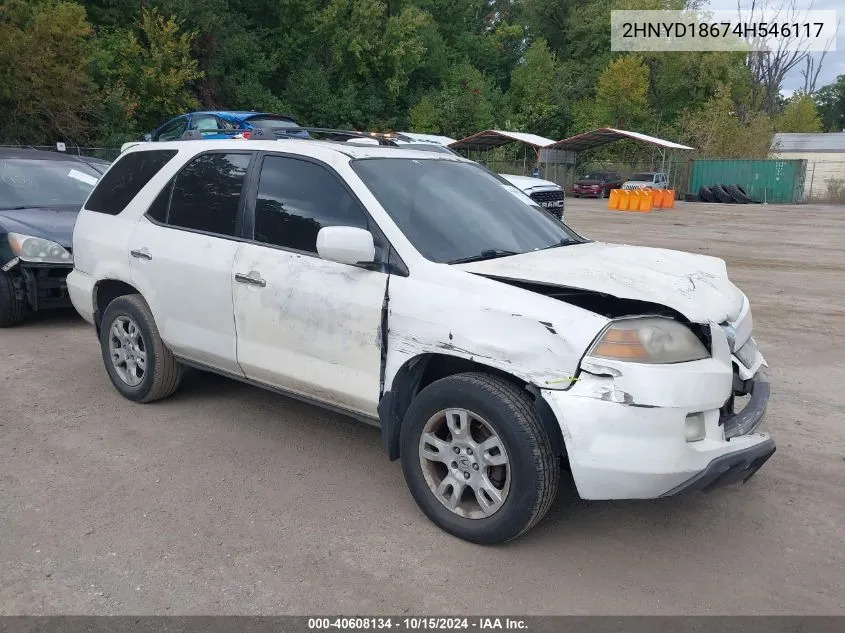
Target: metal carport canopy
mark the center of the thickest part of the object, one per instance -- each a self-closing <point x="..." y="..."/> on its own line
<point x="488" y="139"/>
<point x="605" y="135"/>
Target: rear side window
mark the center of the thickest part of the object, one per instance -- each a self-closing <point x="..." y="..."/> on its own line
<point x="125" y="179"/>
<point x="206" y="193"/>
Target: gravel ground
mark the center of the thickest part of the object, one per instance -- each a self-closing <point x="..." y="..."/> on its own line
<point x="229" y="499"/>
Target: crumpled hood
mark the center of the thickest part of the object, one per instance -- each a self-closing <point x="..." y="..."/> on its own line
<point x="697" y="286"/>
<point x="54" y="223"/>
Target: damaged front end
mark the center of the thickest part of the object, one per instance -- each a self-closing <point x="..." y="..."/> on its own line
<point x="40" y="286"/>
<point x="638" y="425"/>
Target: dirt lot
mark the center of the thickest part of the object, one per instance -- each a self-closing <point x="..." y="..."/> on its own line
<point x="229" y="499"/>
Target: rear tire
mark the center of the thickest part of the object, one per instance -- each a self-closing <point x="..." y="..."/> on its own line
<point x="12" y="309"/>
<point x="139" y="364"/>
<point x="512" y="454"/>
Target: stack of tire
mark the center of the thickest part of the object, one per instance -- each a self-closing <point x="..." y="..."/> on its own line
<point x="724" y="193"/>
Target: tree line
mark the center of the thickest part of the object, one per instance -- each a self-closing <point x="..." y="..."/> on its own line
<point x="100" y="72"/>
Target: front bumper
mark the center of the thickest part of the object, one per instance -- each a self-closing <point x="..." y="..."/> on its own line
<point x="587" y="193"/>
<point x="42" y="286"/>
<point x="624" y="425"/>
<point x="728" y="469"/>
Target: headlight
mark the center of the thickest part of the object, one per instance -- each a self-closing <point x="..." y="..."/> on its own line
<point x="38" y="250"/>
<point x="648" y="340"/>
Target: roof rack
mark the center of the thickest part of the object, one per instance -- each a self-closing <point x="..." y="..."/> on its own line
<point x="331" y="134"/>
<point x="301" y="133"/>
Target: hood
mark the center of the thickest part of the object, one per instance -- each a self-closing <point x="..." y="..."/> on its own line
<point x="53" y="223"/>
<point x="527" y="182"/>
<point x="697" y="286"/>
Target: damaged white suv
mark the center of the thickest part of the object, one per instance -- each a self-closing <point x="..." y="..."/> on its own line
<point x="416" y="291"/>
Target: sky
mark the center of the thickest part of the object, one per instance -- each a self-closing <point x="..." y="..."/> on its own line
<point x="834" y="61"/>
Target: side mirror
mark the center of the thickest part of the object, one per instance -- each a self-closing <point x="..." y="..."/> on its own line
<point x="346" y="245"/>
<point x="148" y="137"/>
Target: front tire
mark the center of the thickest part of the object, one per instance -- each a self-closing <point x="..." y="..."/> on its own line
<point x="139" y="364"/>
<point x="12" y="309"/>
<point x="477" y="459"/>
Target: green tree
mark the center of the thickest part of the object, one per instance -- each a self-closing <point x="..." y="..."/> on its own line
<point x="671" y="91"/>
<point x="425" y="116"/>
<point x="45" y="91"/>
<point x="146" y="74"/>
<point x="716" y="129"/>
<point x="536" y="98"/>
<point x="830" y="101"/>
<point x="622" y="93"/>
<point x="468" y="102"/>
<point x="799" y="115"/>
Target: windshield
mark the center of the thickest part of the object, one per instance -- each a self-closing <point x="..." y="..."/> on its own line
<point x="455" y="211"/>
<point x="643" y="177"/>
<point x="26" y="182"/>
<point x="596" y="175"/>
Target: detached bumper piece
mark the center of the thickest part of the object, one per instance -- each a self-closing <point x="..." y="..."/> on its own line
<point x="741" y="465"/>
<point x="747" y="420"/>
<point x="728" y="469"/>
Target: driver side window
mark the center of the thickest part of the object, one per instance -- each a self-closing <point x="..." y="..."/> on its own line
<point x="296" y="198"/>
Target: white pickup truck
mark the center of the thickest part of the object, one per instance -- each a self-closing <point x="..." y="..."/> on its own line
<point x="492" y="344"/>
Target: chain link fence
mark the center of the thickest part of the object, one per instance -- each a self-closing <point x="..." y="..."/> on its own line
<point x="825" y="181"/>
<point x="103" y="153"/>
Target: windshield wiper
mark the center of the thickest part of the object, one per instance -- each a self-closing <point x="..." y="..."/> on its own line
<point x="14" y="208"/>
<point x="564" y="242"/>
<point x="491" y="253"/>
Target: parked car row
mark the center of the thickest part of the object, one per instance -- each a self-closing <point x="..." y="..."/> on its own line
<point x="419" y="292"/>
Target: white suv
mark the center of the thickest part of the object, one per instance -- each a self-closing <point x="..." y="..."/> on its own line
<point x="416" y="291"/>
<point x="646" y="180"/>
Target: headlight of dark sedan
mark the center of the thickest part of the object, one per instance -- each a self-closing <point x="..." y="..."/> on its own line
<point x="38" y="250"/>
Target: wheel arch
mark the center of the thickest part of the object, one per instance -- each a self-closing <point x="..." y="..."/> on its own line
<point x="420" y="371"/>
<point x="106" y="291"/>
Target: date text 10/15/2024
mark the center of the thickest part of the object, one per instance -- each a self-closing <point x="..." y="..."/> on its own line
<point x="417" y="623"/>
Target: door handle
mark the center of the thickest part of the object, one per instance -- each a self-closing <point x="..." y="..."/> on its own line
<point x="252" y="278"/>
<point x="140" y="254"/>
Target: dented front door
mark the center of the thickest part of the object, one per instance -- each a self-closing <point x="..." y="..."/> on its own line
<point x="309" y="326"/>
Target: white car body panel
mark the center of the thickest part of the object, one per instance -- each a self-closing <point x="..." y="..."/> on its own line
<point x="544" y="338"/>
<point x="313" y="329"/>
<point x="317" y="328"/>
<point x="188" y="286"/>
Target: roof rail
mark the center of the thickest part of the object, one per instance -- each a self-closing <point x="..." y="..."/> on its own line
<point x="383" y="138"/>
<point x="274" y="134"/>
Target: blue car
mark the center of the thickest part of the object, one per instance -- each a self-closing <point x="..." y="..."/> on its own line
<point x="220" y="124"/>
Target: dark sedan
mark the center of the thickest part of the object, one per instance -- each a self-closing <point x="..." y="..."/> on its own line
<point x="596" y="184"/>
<point x="40" y="196"/>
